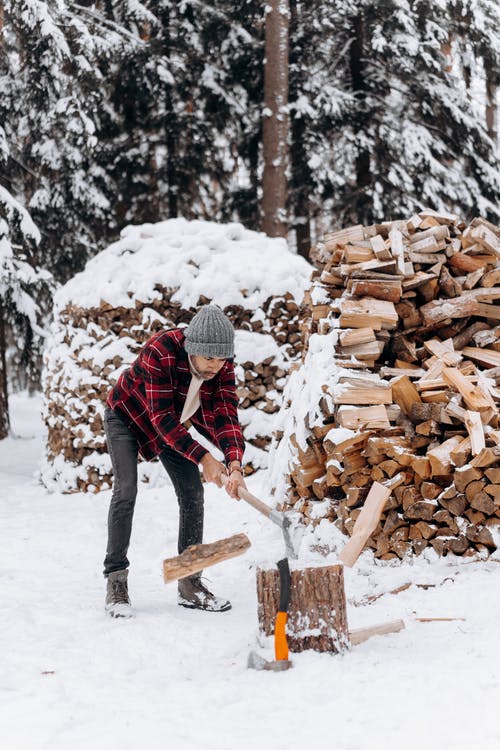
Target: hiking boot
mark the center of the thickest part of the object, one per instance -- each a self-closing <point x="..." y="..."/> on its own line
<point x="117" y="600"/>
<point x="195" y="595"/>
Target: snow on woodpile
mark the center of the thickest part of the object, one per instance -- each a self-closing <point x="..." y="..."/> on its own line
<point x="157" y="276"/>
<point x="399" y="385"/>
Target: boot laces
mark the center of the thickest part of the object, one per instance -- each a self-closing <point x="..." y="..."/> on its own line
<point x="120" y="592"/>
<point x="202" y="586"/>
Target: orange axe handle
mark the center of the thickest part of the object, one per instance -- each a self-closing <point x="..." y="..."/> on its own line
<point x="280" y="642"/>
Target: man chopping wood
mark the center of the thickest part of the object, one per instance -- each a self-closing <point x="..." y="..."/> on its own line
<point x="179" y="375"/>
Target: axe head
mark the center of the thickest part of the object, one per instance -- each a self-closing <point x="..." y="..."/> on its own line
<point x="293" y="530"/>
<point x="256" y="661"/>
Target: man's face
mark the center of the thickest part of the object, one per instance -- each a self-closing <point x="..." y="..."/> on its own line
<point x="207" y="367"/>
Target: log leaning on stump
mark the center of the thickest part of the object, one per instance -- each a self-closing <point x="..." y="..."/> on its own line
<point x="199" y="556"/>
<point x="317" y="617"/>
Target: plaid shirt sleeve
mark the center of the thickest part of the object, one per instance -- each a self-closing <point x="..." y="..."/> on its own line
<point x="158" y="365"/>
<point x="227" y="426"/>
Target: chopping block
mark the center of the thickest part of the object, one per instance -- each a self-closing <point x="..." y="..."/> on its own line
<point x="317" y="613"/>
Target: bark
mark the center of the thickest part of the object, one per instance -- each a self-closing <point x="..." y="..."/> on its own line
<point x="361" y="209"/>
<point x="317" y="616"/>
<point x="491" y="102"/>
<point x="275" y="124"/>
<point x="299" y="168"/>
<point x="199" y="556"/>
<point x="170" y="127"/>
<point x="446" y="49"/>
<point x="4" y="402"/>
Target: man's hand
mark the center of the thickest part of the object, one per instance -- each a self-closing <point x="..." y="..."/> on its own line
<point x="212" y="469"/>
<point x="233" y="482"/>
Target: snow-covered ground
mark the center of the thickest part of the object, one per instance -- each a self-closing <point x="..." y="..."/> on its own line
<point x="71" y="677"/>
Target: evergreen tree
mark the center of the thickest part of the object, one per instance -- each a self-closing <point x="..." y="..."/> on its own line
<point x="415" y="136"/>
<point x="173" y="138"/>
<point x="22" y="286"/>
<point x="53" y="93"/>
<point x="475" y="43"/>
<point x="319" y="102"/>
<point x="51" y="204"/>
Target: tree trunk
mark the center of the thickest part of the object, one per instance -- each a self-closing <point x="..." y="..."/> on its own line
<point x="361" y="210"/>
<point x="275" y="125"/>
<point x="171" y="126"/>
<point x="4" y="401"/>
<point x="317" y="616"/>
<point x="250" y="212"/>
<point x="491" y="101"/>
<point x="300" y="171"/>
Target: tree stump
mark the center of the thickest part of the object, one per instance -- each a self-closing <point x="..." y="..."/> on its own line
<point x="317" y="617"/>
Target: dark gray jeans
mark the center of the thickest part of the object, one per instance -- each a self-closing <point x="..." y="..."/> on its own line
<point x="123" y="450"/>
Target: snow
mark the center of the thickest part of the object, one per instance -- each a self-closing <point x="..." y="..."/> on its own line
<point x="74" y="678"/>
<point x="248" y="343"/>
<point x="13" y="208"/>
<point x="224" y="262"/>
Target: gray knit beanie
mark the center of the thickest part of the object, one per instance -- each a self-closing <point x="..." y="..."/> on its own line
<point x="210" y="334"/>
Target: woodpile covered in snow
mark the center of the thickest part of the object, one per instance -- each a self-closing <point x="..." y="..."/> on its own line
<point x="399" y="385"/>
<point x="158" y="276"/>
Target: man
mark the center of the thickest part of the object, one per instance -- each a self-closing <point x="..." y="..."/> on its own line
<point x="179" y="375"/>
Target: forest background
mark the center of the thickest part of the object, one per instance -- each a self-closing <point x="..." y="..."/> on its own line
<point x="293" y="117"/>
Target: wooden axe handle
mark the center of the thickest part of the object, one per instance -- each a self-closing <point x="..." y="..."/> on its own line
<point x="251" y="499"/>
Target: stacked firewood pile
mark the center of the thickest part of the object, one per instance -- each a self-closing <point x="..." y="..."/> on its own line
<point x="98" y="342"/>
<point x="409" y="312"/>
<point x="149" y="280"/>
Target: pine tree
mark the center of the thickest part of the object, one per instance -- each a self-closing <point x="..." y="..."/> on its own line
<point x="22" y="286"/>
<point x="233" y="53"/>
<point x="181" y="130"/>
<point x="415" y="136"/>
<point x="319" y="101"/>
<point x="476" y="45"/>
<point x="53" y="93"/>
<point x="51" y="204"/>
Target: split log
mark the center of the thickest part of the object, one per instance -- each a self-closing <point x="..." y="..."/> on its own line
<point x="476" y="432"/>
<point x="368" y="352"/>
<point x="440" y="456"/>
<point x="485" y="356"/>
<point x="461" y="453"/>
<point x="472" y="395"/>
<point x="365" y="523"/>
<point x="317" y="617"/>
<point x="440" y="310"/>
<point x="465" y="475"/>
<point x="199" y="556"/>
<point x="360" y="635"/>
<point x="379" y="290"/>
<point x="368" y="312"/>
<point x="405" y="394"/>
<point x="439" y="619"/>
<point x="354" y="336"/>
<point x="362" y="392"/>
<point x="369" y="417"/>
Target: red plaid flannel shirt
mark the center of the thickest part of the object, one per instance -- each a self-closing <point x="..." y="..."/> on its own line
<point x="150" y="394"/>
